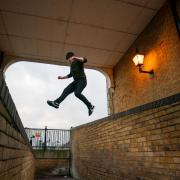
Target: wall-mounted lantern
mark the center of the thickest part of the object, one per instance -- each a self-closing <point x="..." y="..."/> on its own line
<point x="138" y="61"/>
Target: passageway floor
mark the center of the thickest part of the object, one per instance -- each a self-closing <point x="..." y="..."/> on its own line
<point x="54" y="178"/>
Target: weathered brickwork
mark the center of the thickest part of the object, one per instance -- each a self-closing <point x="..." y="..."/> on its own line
<point x="160" y="44"/>
<point x="141" y="146"/>
<point x="52" y="162"/>
<point x="52" y="167"/>
<point x="16" y="159"/>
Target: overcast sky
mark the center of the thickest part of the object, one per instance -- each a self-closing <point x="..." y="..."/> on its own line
<point x="32" y="84"/>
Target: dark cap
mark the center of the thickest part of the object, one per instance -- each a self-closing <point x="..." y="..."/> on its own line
<point x="69" y="54"/>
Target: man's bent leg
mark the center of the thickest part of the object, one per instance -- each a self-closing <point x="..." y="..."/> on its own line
<point x="68" y="90"/>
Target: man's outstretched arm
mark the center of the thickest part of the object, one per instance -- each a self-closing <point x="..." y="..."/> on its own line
<point x="65" y="77"/>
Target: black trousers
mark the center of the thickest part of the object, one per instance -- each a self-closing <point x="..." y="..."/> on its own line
<point x="77" y="87"/>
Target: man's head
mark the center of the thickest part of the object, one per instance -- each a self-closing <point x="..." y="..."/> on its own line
<point x="69" y="55"/>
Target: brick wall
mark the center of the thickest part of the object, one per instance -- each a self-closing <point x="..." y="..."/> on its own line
<point x="129" y="145"/>
<point x="52" y="162"/>
<point x="160" y="44"/>
<point x="52" y="167"/>
<point x="16" y="157"/>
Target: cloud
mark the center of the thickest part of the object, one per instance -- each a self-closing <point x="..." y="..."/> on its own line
<point x="31" y="84"/>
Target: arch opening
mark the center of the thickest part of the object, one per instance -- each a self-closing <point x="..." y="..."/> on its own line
<point x="35" y="91"/>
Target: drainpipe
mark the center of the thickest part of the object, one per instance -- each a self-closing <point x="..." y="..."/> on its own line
<point x="173" y="5"/>
<point x="1" y="58"/>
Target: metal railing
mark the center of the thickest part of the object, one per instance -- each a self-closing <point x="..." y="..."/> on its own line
<point x="48" y="138"/>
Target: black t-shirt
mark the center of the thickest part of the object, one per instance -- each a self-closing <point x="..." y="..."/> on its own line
<point x="77" y="69"/>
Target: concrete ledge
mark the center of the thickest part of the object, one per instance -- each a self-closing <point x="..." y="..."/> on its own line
<point x="52" y="154"/>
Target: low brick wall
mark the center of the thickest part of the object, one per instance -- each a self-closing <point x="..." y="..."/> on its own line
<point x="52" y="162"/>
<point x="52" y="167"/>
<point x="141" y="143"/>
<point x="16" y="157"/>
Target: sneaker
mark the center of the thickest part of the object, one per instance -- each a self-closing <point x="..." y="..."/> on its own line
<point x="91" y="109"/>
<point x="53" y="104"/>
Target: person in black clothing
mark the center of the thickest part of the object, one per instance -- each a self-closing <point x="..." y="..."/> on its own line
<point x="77" y="86"/>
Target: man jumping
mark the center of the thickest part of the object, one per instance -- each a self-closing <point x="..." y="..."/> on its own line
<point x="77" y="86"/>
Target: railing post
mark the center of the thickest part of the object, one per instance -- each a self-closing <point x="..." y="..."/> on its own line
<point x="70" y="149"/>
<point x="45" y="145"/>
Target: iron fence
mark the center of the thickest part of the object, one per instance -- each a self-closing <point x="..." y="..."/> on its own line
<point x="48" y="138"/>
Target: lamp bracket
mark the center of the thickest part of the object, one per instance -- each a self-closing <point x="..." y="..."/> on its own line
<point x="151" y="72"/>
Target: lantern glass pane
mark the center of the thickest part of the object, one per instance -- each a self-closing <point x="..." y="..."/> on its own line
<point x="138" y="59"/>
